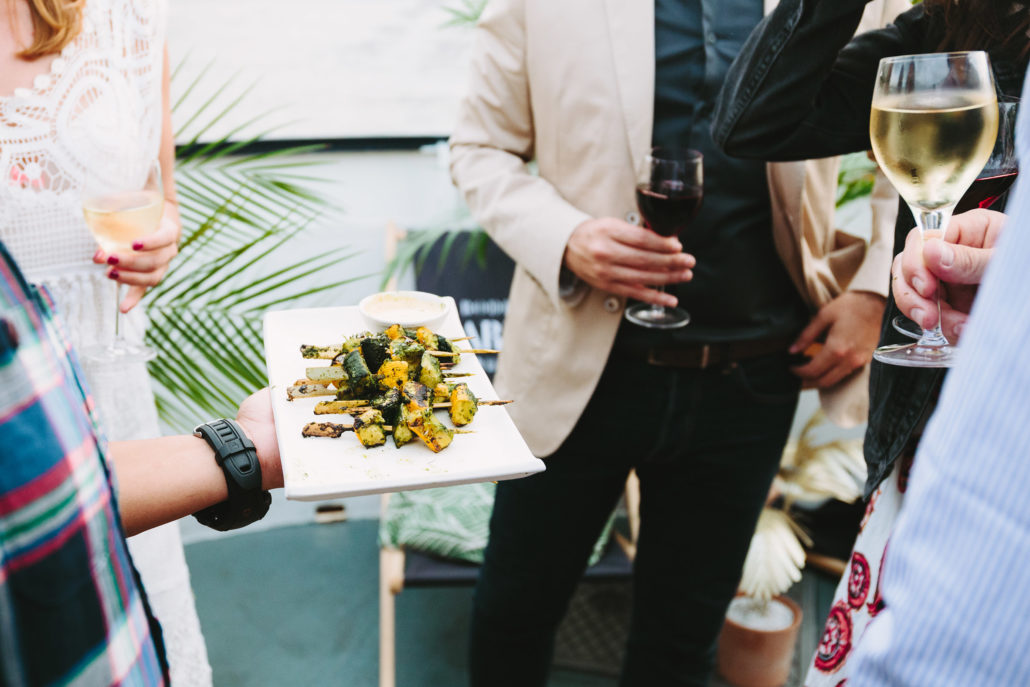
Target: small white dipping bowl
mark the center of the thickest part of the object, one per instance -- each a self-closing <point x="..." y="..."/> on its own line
<point x="406" y="308"/>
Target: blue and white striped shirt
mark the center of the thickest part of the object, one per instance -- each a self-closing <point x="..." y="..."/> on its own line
<point x="957" y="578"/>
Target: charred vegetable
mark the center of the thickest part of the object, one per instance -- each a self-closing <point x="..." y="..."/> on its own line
<point x="402" y="434"/>
<point x="408" y="351"/>
<point x="361" y="379"/>
<point x="463" y="405"/>
<point x="429" y="429"/>
<point x="430" y="373"/>
<point x="375" y="350"/>
<point x="369" y="428"/>
<point x="393" y="374"/>
<point x="389" y="404"/>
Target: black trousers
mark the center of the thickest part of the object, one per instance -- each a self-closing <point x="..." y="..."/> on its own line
<point x="706" y="445"/>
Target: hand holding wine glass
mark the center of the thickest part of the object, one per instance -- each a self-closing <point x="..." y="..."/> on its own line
<point x="668" y="197"/>
<point x="122" y="213"/>
<point x="997" y="176"/>
<point x="933" y="125"/>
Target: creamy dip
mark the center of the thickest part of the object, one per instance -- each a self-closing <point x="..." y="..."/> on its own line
<point x="403" y="309"/>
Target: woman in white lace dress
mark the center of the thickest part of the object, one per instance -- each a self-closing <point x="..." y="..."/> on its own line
<point x="82" y="81"/>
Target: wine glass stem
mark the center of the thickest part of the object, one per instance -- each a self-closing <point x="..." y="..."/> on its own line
<point x="932" y="224"/>
<point x="658" y="310"/>
<point x="118" y="341"/>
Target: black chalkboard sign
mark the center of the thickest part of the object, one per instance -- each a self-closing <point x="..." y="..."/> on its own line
<point x="474" y="271"/>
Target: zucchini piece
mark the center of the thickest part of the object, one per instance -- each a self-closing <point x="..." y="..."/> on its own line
<point x="311" y="352"/>
<point x="333" y="373"/>
<point x="442" y="392"/>
<point x="402" y="434"/>
<point x="369" y="428"/>
<point x="430" y="373"/>
<point x="410" y="352"/>
<point x="389" y="404"/>
<point x="429" y="429"/>
<point x="416" y="396"/>
<point x="361" y="379"/>
<point x="427" y="338"/>
<point x="445" y="346"/>
<point x="463" y="405"/>
<point x="375" y="350"/>
<point x="393" y="374"/>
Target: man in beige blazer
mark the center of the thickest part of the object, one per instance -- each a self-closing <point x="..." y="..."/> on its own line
<point x="584" y="88"/>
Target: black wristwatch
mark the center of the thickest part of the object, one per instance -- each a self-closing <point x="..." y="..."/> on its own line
<point x="236" y="455"/>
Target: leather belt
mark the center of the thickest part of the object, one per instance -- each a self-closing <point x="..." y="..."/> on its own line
<point x="703" y="356"/>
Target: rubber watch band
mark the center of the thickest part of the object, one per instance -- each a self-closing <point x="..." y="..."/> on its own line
<point x="237" y="457"/>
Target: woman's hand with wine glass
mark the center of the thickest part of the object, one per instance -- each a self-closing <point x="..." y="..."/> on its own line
<point x="959" y="262"/>
<point x="147" y="262"/>
<point x="624" y="259"/>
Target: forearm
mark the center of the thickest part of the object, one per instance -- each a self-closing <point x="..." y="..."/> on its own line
<point x="164" y="479"/>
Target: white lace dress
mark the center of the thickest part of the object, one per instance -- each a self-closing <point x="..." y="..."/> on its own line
<point x="100" y="99"/>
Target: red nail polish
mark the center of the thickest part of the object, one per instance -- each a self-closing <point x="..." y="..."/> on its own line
<point x="112" y="260"/>
<point x="113" y="274"/>
<point x="137" y="245"/>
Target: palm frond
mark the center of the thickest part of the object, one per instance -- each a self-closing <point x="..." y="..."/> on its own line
<point x="240" y="207"/>
<point x="775" y="557"/>
<point x="467" y="13"/>
<point x="813" y="471"/>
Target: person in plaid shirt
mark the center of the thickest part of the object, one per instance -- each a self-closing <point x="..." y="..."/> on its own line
<point x="72" y="610"/>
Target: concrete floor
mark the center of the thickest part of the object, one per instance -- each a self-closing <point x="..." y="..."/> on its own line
<point x="299" y="606"/>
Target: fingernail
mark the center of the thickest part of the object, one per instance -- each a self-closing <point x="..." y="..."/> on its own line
<point x="137" y="245"/>
<point x="112" y="260"/>
<point x="98" y="254"/>
<point x="917" y="316"/>
<point x="947" y="255"/>
<point x="918" y="283"/>
<point x="794" y="348"/>
<point x="113" y="274"/>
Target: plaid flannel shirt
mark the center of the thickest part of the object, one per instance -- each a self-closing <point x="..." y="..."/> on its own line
<point x="72" y="610"/>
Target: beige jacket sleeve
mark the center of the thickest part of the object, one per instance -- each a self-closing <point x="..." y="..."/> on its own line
<point x="492" y="144"/>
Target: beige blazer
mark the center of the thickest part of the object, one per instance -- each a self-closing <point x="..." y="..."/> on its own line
<point x="580" y="102"/>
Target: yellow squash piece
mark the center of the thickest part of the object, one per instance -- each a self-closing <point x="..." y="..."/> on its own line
<point x="463" y="405"/>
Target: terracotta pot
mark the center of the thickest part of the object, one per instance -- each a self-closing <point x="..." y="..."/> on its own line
<point x="758" y="658"/>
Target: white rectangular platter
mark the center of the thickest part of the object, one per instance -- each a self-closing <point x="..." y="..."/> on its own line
<point x="318" y="468"/>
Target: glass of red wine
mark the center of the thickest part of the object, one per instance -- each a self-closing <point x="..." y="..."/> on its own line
<point x="668" y="197"/>
<point x="997" y="176"/>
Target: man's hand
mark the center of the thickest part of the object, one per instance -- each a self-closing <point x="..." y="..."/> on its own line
<point x="959" y="261"/>
<point x="627" y="260"/>
<point x="255" y="417"/>
<point x="851" y="323"/>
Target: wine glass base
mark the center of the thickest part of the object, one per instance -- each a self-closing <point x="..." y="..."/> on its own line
<point x="915" y="355"/>
<point x="903" y="325"/>
<point x="118" y="353"/>
<point x="657" y="317"/>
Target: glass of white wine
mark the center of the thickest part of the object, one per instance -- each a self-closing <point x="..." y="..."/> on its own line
<point x="120" y="211"/>
<point x="933" y="125"/>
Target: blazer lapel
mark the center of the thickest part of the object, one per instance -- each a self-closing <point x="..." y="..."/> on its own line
<point x="631" y="32"/>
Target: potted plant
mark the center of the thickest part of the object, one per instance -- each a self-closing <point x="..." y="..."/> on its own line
<point x="756" y="648"/>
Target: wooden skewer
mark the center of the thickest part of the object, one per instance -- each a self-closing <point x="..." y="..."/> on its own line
<point x="333" y="430"/>
<point x="338" y="407"/>
<point x="464" y="338"/>
<point x="452" y="375"/>
<point x="328" y="407"/>
<point x="446" y="354"/>
<point x="308" y="390"/>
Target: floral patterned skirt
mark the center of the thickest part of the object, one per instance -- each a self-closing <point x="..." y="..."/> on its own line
<point x="857" y="599"/>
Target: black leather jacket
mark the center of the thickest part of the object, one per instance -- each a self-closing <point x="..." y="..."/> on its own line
<point x="802" y="88"/>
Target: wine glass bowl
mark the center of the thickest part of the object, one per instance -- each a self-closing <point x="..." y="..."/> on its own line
<point x="933" y="126"/>
<point x="120" y="211"/>
<point x="668" y="197"/>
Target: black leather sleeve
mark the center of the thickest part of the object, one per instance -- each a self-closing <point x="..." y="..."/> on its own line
<point x="802" y="85"/>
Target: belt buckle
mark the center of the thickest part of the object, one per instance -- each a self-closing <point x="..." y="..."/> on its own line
<point x="705" y="355"/>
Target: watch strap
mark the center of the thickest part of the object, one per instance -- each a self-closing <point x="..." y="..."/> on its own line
<point x="237" y="457"/>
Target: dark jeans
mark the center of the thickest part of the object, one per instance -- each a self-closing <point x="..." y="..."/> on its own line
<point x="706" y="445"/>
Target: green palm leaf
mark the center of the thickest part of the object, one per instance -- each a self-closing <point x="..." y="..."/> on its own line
<point x="240" y="208"/>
